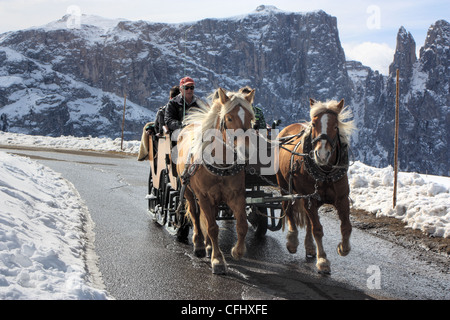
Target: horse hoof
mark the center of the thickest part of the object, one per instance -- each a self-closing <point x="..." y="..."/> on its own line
<point x="323" y="266"/>
<point x="292" y="241"/>
<point x="219" y="269"/>
<point x="291" y="249"/>
<point x="325" y="273"/>
<point x="310" y="256"/>
<point x="200" y="252"/>
<point x="237" y="254"/>
<point x="341" y="251"/>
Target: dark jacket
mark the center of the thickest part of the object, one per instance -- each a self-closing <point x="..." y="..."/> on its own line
<point x="159" y="120"/>
<point x="173" y="115"/>
<point x="260" y="121"/>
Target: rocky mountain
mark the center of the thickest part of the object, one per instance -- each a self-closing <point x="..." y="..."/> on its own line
<point x="39" y="96"/>
<point x="424" y="134"/>
<point x="59" y="80"/>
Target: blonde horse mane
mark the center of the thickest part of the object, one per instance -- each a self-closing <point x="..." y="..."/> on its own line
<point x="346" y="126"/>
<point x="206" y="116"/>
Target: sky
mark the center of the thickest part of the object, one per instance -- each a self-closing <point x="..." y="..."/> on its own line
<point x="367" y="28"/>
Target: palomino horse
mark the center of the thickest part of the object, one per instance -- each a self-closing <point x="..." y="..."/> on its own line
<point x="214" y="183"/>
<point x="313" y="163"/>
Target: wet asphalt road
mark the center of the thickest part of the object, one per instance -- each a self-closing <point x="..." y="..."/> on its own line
<point x="138" y="260"/>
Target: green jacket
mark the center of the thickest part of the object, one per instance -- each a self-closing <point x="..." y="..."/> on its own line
<point x="260" y="122"/>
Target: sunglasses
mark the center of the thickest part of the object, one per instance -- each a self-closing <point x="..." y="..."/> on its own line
<point x="188" y="87"/>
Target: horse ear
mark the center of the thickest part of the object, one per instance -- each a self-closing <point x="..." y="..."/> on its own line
<point x="340" y="105"/>
<point x="311" y="102"/>
<point x="250" y="96"/>
<point x="222" y="96"/>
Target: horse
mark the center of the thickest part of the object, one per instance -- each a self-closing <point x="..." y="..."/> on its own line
<point x="213" y="182"/>
<point x="313" y="162"/>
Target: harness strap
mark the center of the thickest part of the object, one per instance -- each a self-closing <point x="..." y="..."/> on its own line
<point x="337" y="171"/>
<point x="224" y="172"/>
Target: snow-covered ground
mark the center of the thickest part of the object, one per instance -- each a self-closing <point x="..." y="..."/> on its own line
<point x="42" y="242"/>
<point x="42" y="216"/>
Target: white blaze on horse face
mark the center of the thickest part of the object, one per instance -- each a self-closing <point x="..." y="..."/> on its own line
<point x="241" y="115"/>
<point x="244" y="141"/>
<point x="241" y="148"/>
<point x="323" y="153"/>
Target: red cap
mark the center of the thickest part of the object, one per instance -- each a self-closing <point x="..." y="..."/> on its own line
<point x="186" y="80"/>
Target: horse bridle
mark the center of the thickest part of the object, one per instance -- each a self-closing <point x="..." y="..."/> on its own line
<point x="320" y="173"/>
<point x="220" y="170"/>
<point x="324" y="136"/>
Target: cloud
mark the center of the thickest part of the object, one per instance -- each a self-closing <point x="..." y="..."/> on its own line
<point x="377" y="56"/>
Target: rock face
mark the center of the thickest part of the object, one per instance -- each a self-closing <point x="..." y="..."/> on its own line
<point x="56" y="80"/>
<point x="43" y="90"/>
<point x="424" y="106"/>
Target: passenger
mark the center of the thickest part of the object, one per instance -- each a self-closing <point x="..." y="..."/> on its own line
<point x="260" y="122"/>
<point x="159" y="121"/>
<point x="177" y="107"/>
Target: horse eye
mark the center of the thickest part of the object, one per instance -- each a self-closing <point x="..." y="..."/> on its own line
<point x="229" y="119"/>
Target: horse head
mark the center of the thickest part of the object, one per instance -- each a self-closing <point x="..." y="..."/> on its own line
<point x="324" y="129"/>
<point x="236" y="117"/>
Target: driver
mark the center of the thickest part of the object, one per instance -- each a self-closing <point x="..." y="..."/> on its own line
<point x="178" y="106"/>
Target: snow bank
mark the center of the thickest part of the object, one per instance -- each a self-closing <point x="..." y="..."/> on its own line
<point x="423" y="201"/>
<point x="42" y="254"/>
<point x="69" y="142"/>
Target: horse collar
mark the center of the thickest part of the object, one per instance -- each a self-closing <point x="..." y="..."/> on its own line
<point x="319" y="173"/>
<point x="224" y="171"/>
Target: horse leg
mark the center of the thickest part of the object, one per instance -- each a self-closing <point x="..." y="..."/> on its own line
<point x="197" y="235"/>
<point x="238" y="207"/>
<point x="292" y="236"/>
<point x="310" y="247"/>
<point x="286" y="209"/>
<point x="323" y="264"/>
<point x="343" y="209"/>
<point x="217" y="260"/>
<point x="302" y="221"/>
<point x="206" y="237"/>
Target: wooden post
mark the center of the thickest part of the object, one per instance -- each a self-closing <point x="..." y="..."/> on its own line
<point x="397" y="113"/>
<point x="123" y="120"/>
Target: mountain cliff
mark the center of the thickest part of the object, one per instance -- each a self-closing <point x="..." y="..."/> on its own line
<point x="424" y="134"/>
<point x="58" y="80"/>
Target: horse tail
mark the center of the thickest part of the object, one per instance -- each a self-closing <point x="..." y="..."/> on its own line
<point x="299" y="213"/>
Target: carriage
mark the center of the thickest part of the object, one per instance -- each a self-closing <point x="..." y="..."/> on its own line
<point x="165" y="187"/>
<point x="311" y="170"/>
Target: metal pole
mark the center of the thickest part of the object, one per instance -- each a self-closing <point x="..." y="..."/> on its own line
<point x="123" y="119"/>
<point x="397" y="113"/>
